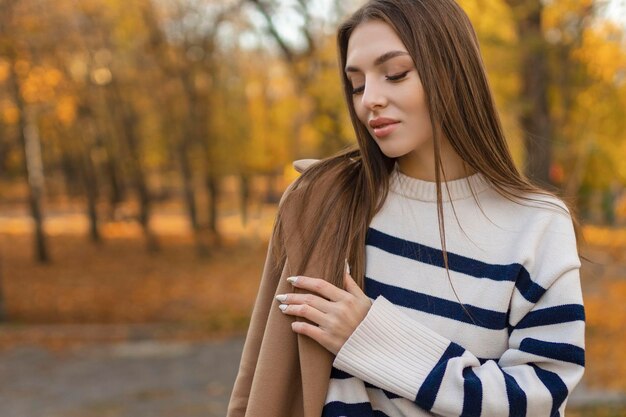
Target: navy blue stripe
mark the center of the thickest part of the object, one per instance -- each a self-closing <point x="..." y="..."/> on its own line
<point x="339" y="374"/>
<point x="559" y="351"/>
<point x="341" y="409"/>
<point x="552" y="315"/>
<point x="458" y="263"/>
<point x="433" y="256"/>
<point x="488" y="319"/>
<point x="555" y="385"/>
<point x="529" y="289"/>
<point x="472" y="394"/>
<point x="388" y="394"/>
<point x="430" y="387"/>
<point x="516" y="395"/>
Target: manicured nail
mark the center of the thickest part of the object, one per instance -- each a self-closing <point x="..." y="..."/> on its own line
<point x="347" y="266"/>
<point x="282" y="307"/>
<point x="292" y="279"/>
<point x="281" y="297"/>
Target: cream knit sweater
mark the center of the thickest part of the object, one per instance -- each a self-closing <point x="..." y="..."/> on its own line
<point x="514" y="347"/>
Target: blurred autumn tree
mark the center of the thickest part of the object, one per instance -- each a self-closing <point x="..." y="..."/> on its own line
<point x="108" y="102"/>
<point x="558" y="70"/>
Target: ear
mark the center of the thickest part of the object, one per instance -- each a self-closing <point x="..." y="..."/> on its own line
<point x="302" y="164"/>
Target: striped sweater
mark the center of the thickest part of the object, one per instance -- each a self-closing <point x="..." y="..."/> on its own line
<point x="501" y="335"/>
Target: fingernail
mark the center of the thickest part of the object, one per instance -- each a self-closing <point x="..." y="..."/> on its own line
<point x="281" y="297"/>
<point x="282" y="307"/>
<point x="347" y="266"/>
<point x="292" y="279"/>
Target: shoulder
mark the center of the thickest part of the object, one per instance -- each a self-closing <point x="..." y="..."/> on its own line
<point x="317" y="184"/>
<point x="300" y="165"/>
<point x="535" y="206"/>
<point x="533" y="217"/>
<point x="547" y="208"/>
<point x="545" y="218"/>
<point x="317" y="177"/>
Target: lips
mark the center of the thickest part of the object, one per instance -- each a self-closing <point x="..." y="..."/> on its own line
<point x="381" y="122"/>
<point x="383" y="126"/>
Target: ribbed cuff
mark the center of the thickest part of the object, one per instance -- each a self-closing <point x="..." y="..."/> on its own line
<point x="391" y="350"/>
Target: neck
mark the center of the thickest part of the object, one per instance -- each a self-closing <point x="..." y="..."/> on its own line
<point x="421" y="165"/>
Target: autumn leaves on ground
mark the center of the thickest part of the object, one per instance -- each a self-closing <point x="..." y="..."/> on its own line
<point x="171" y="293"/>
<point x="117" y="290"/>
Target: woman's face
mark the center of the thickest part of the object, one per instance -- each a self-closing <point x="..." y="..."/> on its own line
<point x="387" y="93"/>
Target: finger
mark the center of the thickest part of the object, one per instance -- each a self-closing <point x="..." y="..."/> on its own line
<point x="350" y="285"/>
<point x="310" y="330"/>
<point x="305" y="311"/>
<point x="318" y="286"/>
<point x="313" y="300"/>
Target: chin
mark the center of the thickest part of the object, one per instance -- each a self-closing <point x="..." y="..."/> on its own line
<point x="394" y="151"/>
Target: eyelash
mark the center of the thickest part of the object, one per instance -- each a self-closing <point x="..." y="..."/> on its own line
<point x="396" y="77"/>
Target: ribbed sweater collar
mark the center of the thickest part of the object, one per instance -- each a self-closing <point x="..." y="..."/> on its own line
<point x="417" y="189"/>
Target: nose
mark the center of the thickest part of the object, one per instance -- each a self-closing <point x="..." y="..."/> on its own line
<point x="373" y="96"/>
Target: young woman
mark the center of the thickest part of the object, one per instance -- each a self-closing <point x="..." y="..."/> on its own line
<point x="464" y="297"/>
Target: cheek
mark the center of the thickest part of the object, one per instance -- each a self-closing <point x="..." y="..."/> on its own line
<point x="360" y="111"/>
<point x="416" y="102"/>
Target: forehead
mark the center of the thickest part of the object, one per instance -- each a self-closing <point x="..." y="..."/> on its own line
<point x="371" y="39"/>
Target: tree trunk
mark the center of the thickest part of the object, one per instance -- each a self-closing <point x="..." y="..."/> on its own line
<point x="178" y="70"/>
<point x="129" y="121"/>
<point x="29" y="136"/>
<point x="140" y="181"/>
<point x="108" y="140"/>
<point x="5" y="147"/>
<point x="244" y="192"/>
<point x="535" y="117"/>
<point x="213" y="190"/>
<point x="71" y="174"/>
<point x="90" y="182"/>
<point x="190" y="196"/>
<point x="116" y="192"/>
<point x="3" y="313"/>
<point x="187" y="176"/>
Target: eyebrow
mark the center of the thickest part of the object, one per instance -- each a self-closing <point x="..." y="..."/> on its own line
<point x="380" y="60"/>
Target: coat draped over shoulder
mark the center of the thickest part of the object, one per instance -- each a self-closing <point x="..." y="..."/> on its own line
<point x="282" y="373"/>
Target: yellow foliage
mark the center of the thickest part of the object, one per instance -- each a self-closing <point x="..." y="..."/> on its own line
<point x="603" y="236"/>
<point x="40" y="83"/>
<point x="66" y="110"/>
<point x="4" y="70"/>
<point x="602" y="52"/>
<point x="557" y="13"/>
<point x="22" y="67"/>
<point x="289" y="173"/>
<point x="491" y="19"/>
<point x="9" y="112"/>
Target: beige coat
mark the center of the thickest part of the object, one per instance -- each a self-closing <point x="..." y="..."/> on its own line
<point x="282" y="373"/>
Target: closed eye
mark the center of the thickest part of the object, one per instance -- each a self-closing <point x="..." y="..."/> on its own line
<point x="397" y="77"/>
<point x="358" y="90"/>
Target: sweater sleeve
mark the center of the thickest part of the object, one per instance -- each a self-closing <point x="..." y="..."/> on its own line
<point x="533" y="377"/>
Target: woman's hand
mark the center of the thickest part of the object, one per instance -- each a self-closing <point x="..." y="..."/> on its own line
<point x="337" y="313"/>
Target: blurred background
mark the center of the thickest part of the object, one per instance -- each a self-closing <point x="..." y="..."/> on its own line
<point x="145" y="144"/>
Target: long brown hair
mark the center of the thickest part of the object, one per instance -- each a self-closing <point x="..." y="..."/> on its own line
<point x="443" y="45"/>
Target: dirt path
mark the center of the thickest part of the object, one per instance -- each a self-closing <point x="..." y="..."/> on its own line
<point x="138" y="379"/>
